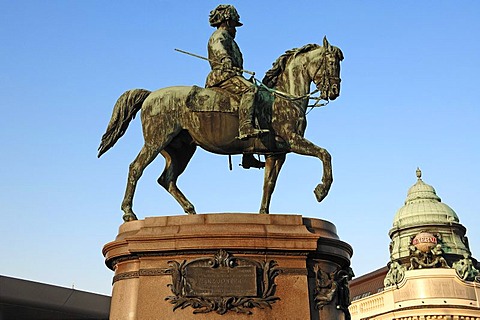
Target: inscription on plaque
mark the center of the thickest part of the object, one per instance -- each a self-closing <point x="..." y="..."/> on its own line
<point x="220" y="282"/>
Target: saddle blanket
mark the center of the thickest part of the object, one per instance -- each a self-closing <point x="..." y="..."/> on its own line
<point x="212" y="99"/>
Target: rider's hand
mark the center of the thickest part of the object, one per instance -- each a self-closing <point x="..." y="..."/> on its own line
<point x="227" y="64"/>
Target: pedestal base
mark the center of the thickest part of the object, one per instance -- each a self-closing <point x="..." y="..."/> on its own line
<point x="229" y="266"/>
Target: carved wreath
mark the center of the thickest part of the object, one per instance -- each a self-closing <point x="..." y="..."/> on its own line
<point x="266" y="272"/>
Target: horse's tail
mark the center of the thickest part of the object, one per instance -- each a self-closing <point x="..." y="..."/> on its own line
<point x="124" y="111"/>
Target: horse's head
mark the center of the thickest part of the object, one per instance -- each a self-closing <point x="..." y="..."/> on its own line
<point x="294" y="71"/>
<point x="324" y="70"/>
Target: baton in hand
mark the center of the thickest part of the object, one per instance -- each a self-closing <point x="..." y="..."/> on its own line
<point x="210" y="60"/>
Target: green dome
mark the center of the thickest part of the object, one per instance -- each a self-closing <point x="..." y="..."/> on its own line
<point x="423" y="206"/>
<point x="423" y="211"/>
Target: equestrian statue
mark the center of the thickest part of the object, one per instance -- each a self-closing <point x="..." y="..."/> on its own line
<point x="231" y="115"/>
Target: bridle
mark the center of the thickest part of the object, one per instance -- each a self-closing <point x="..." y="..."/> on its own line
<point x="324" y="85"/>
<point x="327" y="78"/>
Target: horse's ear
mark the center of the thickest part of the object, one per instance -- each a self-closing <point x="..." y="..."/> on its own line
<point x="326" y="45"/>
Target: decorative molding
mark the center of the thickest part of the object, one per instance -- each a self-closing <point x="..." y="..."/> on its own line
<point x="185" y="293"/>
<point x="292" y="253"/>
<point x="294" y="271"/>
<point x="111" y="263"/>
<point x="141" y="272"/>
<point x="427" y="306"/>
<point x="125" y="276"/>
<point x="166" y="272"/>
<point x="154" y="272"/>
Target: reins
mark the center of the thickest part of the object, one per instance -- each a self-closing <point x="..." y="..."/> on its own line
<point x="290" y="97"/>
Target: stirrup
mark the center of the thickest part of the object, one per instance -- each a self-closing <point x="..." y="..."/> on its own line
<point x="249" y="161"/>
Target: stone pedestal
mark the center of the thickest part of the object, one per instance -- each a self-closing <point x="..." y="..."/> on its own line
<point x="228" y="266"/>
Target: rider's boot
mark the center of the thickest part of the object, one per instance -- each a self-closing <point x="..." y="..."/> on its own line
<point x="245" y="118"/>
<point x="249" y="161"/>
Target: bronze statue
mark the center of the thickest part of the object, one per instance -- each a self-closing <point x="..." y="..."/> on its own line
<point x="176" y="120"/>
<point x="395" y="274"/>
<point x="430" y="259"/>
<point x="465" y="268"/>
<point x="333" y="285"/>
<point x="226" y="61"/>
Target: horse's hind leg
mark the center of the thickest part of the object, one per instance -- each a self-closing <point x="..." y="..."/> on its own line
<point x="146" y="155"/>
<point x="273" y="164"/>
<point x="176" y="160"/>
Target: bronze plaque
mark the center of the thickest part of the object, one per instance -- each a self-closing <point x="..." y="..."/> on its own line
<point x="239" y="281"/>
<point x="222" y="283"/>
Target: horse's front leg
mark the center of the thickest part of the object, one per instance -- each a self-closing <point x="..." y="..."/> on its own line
<point x="273" y="164"/>
<point x="300" y="145"/>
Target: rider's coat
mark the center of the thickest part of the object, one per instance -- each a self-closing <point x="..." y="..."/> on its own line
<point x="222" y="45"/>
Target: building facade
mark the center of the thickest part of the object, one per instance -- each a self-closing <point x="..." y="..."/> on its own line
<point x="28" y="300"/>
<point x="431" y="273"/>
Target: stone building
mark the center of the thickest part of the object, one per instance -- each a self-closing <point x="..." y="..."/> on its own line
<point x="431" y="273"/>
<point x="28" y="300"/>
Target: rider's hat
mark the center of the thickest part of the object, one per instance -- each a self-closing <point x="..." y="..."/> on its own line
<point x="222" y="13"/>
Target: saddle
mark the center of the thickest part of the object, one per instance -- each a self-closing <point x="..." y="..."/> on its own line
<point x="212" y="99"/>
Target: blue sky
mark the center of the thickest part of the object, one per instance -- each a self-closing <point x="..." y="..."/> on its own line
<point x="409" y="98"/>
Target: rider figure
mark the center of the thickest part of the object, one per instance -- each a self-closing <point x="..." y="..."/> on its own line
<point x="226" y="61"/>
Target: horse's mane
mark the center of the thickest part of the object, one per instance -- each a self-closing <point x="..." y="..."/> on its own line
<point x="271" y="76"/>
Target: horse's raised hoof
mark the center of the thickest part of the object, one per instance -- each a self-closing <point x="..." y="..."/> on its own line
<point x="320" y="192"/>
<point x="129" y="217"/>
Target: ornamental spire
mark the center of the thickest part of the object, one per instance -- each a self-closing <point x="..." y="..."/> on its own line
<point x="419" y="173"/>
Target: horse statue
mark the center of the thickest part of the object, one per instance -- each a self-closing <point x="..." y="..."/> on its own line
<point x="174" y="124"/>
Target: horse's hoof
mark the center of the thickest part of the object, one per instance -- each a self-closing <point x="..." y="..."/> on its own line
<point x="129" y="217"/>
<point x="190" y="211"/>
<point x="320" y="192"/>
